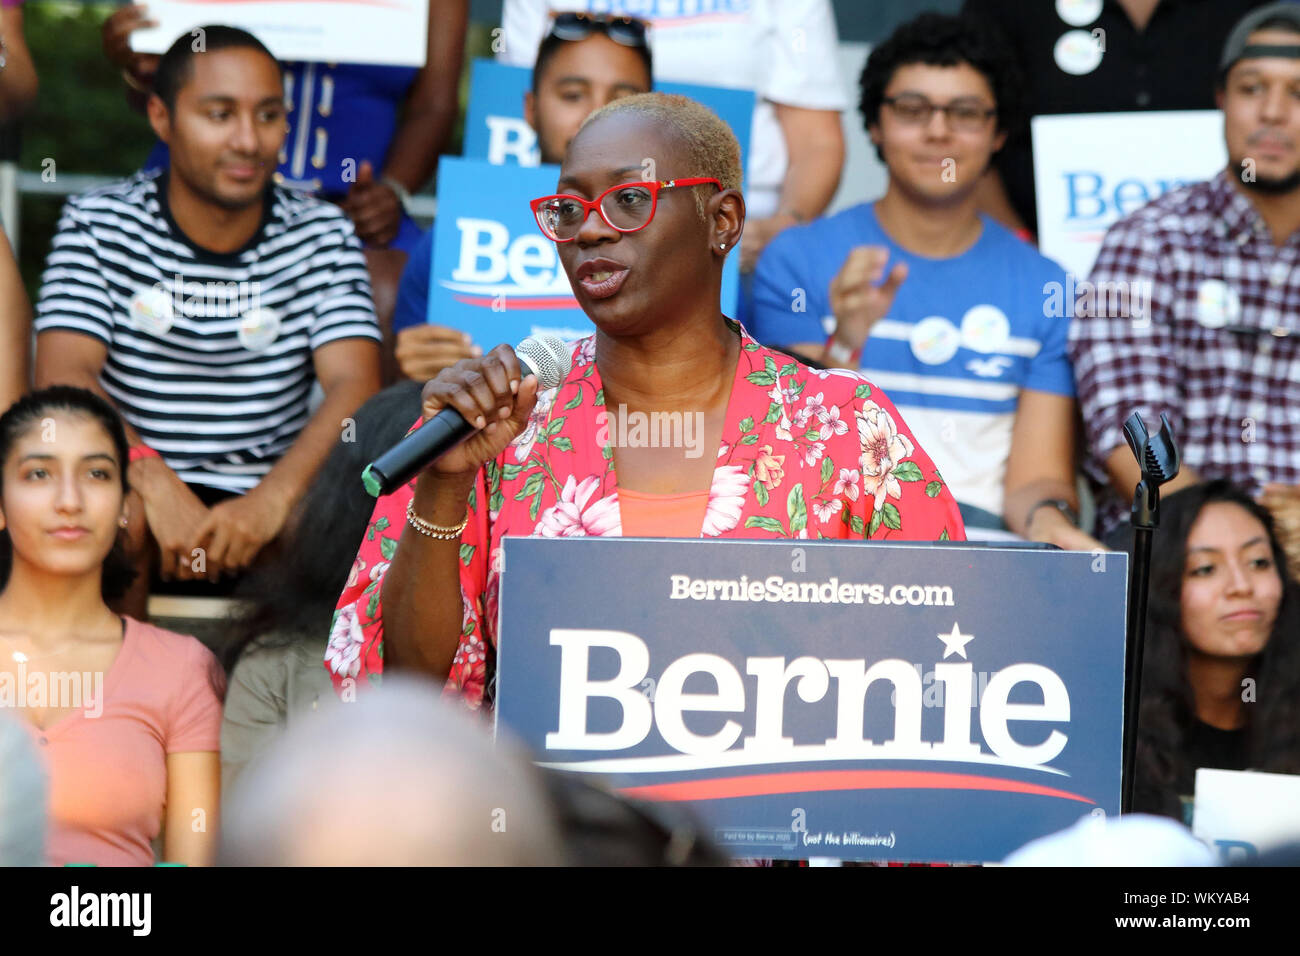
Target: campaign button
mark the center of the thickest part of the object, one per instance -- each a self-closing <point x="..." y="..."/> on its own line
<point x="1078" y="13"/>
<point x="935" y="340"/>
<point x="1217" y="304"/>
<point x="1077" y="52"/>
<point x="151" y="310"/>
<point x="985" y="328"/>
<point x="258" y="329"/>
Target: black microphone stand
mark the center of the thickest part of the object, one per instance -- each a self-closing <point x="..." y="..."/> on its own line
<point x="1157" y="457"/>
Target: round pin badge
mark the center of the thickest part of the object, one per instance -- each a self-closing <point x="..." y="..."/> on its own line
<point x="1078" y="13"/>
<point x="258" y="328"/>
<point x="1217" y="304"/>
<point x="935" y="340"/>
<point x="151" y="310"/>
<point x="1077" y="52"/>
<point x="985" y="328"/>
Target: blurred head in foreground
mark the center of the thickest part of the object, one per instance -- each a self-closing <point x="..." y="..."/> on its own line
<point x="1133" y="840"/>
<point x="396" y="779"/>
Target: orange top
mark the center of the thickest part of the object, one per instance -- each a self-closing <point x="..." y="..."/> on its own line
<point x="662" y="516"/>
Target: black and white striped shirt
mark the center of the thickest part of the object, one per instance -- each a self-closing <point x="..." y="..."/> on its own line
<point x="209" y="354"/>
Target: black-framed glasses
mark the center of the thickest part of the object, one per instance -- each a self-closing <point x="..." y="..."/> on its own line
<point x="963" y="116"/>
<point x="574" y="26"/>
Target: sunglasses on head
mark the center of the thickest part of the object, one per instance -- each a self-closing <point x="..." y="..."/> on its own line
<point x="629" y="31"/>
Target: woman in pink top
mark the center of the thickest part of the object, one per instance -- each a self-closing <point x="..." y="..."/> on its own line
<point x="126" y="716"/>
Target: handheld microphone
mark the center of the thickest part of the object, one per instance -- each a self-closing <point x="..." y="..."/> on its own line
<point x="545" y="356"/>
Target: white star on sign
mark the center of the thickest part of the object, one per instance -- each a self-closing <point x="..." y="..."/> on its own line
<point x="955" y="643"/>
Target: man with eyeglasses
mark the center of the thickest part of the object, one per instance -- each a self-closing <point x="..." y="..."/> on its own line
<point x="1217" y="347"/>
<point x="937" y="304"/>
<point x="579" y="68"/>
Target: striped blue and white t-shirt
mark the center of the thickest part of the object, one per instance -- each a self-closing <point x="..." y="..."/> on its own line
<point x="964" y="336"/>
<point x="209" y="354"/>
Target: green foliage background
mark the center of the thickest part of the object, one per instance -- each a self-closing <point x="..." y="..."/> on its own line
<point x="80" y="120"/>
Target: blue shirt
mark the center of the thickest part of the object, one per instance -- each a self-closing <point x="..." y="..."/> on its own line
<point x="964" y="335"/>
<point x="413" y="291"/>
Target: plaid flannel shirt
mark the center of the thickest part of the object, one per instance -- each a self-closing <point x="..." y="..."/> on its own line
<point x="1215" y="345"/>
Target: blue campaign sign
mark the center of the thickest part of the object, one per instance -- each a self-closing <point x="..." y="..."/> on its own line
<point x="826" y="699"/>
<point x="494" y="120"/>
<point x="494" y="274"/>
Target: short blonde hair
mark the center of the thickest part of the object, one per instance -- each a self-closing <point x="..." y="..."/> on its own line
<point x="710" y="144"/>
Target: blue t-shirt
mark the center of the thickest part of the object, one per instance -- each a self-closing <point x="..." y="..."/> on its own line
<point x="413" y="291"/>
<point x="964" y="336"/>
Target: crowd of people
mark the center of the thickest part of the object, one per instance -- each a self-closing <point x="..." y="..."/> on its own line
<point x="224" y="339"/>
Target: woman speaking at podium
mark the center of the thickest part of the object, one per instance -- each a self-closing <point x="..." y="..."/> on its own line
<point x="672" y="421"/>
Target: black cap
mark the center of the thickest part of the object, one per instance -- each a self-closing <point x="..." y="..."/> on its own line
<point x="1236" y="49"/>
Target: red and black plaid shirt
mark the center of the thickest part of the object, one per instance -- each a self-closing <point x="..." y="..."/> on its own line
<point x="1218" y="351"/>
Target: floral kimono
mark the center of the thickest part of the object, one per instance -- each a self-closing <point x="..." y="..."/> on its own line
<point x="804" y="454"/>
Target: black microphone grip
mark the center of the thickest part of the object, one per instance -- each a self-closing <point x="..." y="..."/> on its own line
<point x="544" y="356"/>
<point x="404" y="460"/>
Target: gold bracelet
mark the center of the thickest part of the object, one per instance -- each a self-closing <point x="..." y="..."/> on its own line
<point x="431" y="530"/>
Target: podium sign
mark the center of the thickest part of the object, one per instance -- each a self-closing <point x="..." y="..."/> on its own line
<point x="812" y="698"/>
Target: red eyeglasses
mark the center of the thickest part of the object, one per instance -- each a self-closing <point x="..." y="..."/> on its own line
<point x="627" y="207"/>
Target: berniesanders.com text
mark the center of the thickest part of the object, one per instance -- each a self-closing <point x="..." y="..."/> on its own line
<point x="776" y="589"/>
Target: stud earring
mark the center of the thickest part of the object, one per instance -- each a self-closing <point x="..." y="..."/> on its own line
<point x="723" y="246"/>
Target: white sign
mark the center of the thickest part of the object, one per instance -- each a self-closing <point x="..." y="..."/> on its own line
<point x="1238" y="813"/>
<point x="384" y="32"/>
<point x="1091" y="169"/>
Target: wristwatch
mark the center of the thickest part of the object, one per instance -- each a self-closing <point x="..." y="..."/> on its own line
<point x="1060" y="504"/>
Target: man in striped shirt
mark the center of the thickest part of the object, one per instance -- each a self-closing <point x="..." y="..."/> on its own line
<point x="204" y="303"/>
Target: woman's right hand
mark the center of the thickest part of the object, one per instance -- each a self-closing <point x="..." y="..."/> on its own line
<point x="495" y="394"/>
<point x="116" y="37"/>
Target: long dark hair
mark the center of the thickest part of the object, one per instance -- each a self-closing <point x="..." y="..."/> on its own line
<point x="30" y="411"/>
<point x="292" y="597"/>
<point x="1272" y="733"/>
